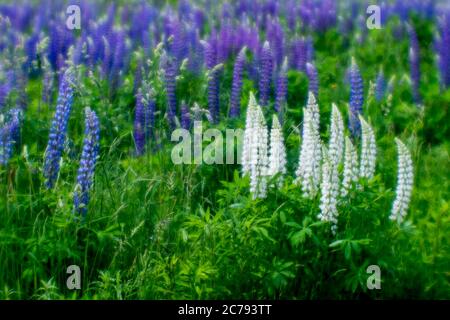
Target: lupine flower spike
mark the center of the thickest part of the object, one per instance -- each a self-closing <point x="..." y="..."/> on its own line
<point x="254" y="153"/>
<point x="329" y="191"/>
<point x="58" y="130"/>
<point x="88" y="161"/>
<point x="265" y="73"/>
<point x="405" y="179"/>
<point x="350" y="167"/>
<point x="356" y="98"/>
<point x="308" y="171"/>
<point x="277" y="154"/>
<point x="281" y="88"/>
<point x="237" y="84"/>
<point x="368" y="151"/>
<point x="336" y="143"/>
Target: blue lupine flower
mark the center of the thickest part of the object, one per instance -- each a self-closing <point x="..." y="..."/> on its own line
<point x="265" y="74"/>
<point x="443" y="49"/>
<point x="213" y="81"/>
<point x="9" y="136"/>
<point x="86" y="170"/>
<point x="380" y="86"/>
<point x="237" y="84"/>
<point x="356" y="98"/>
<point x="170" y="82"/>
<point x="313" y="79"/>
<point x="139" y="124"/>
<point x="58" y="130"/>
<point x="185" y="116"/>
<point x="281" y="88"/>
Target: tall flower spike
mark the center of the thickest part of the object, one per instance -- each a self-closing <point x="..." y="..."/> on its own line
<point x="213" y="81"/>
<point x="248" y="135"/>
<point x="58" y="130"/>
<point x="88" y="161"/>
<point x="405" y="179"/>
<point x="329" y="191"/>
<point x="170" y="81"/>
<point x="336" y="143"/>
<point x="356" y="98"/>
<point x="308" y="171"/>
<point x="380" y="86"/>
<point x="237" y="84"/>
<point x="254" y="154"/>
<point x="277" y="154"/>
<point x="368" y="151"/>
<point x="443" y="49"/>
<point x="9" y="135"/>
<point x="259" y="159"/>
<point x="265" y="73"/>
<point x="139" y="124"/>
<point x="350" y="167"/>
<point x="281" y="90"/>
<point x="311" y="72"/>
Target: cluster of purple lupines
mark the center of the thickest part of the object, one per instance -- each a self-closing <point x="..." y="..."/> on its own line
<point x="414" y="60"/>
<point x="57" y="136"/>
<point x="144" y="121"/>
<point x="356" y="98"/>
<point x="88" y="161"/>
<point x="9" y="135"/>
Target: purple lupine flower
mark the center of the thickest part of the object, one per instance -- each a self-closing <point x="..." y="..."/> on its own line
<point x="9" y="135"/>
<point x="356" y="98"/>
<point x="310" y="52"/>
<point x="443" y="49"/>
<point x="150" y="110"/>
<point x="380" y="86"/>
<point x="119" y="58"/>
<point x="178" y="48"/>
<point x="139" y="124"/>
<point x="213" y="81"/>
<point x="185" y="116"/>
<point x="275" y="36"/>
<point x="265" y="73"/>
<point x="58" y="130"/>
<point x="236" y="87"/>
<point x="281" y="88"/>
<point x="299" y="55"/>
<point x="313" y="79"/>
<point x="170" y="82"/>
<point x="414" y="62"/>
<point x="86" y="170"/>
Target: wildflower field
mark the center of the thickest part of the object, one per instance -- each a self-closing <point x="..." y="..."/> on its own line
<point x="335" y="184"/>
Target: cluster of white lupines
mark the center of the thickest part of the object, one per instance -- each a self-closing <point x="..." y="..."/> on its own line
<point x="405" y="179"/>
<point x="277" y="154"/>
<point x="350" y="167"/>
<point x="368" y="151"/>
<point x="254" y="153"/>
<point x="308" y="171"/>
<point x="329" y="191"/>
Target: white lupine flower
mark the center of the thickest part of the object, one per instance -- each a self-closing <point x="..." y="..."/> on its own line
<point x="336" y="143"/>
<point x="368" y="151"/>
<point x="350" y="167"/>
<point x="277" y="154"/>
<point x="248" y="134"/>
<point x="405" y="179"/>
<point x="329" y="191"/>
<point x="259" y="159"/>
<point x="308" y="171"/>
<point x="314" y="108"/>
<point x="254" y="151"/>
